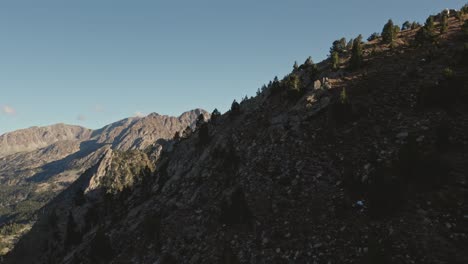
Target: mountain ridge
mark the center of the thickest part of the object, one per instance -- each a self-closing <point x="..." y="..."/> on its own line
<point x="44" y="165"/>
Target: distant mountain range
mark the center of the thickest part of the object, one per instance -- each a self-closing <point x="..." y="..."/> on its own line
<point x="38" y="162"/>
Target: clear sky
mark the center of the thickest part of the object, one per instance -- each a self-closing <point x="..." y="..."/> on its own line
<point x="92" y="62"/>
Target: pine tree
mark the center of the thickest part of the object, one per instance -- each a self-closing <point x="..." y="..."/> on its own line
<point x="338" y="46"/>
<point x="215" y="115"/>
<point x="406" y="25"/>
<point x="343" y="96"/>
<point x="356" y="55"/>
<point x="309" y="61"/>
<point x="235" y="108"/>
<point x="343" y="44"/>
<point x="349" y="46"/>
<point x="295" y="66"/>
<point x="388" y="32"/>
<point x="429" y="23"/>
<point x="444" y="24"/>
<point x="335" y="60"/>
<point x="374" y="36"/>
<point x="275" y="85"/>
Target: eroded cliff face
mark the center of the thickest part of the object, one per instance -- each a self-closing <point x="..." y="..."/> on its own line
<point x="38" y="163"/>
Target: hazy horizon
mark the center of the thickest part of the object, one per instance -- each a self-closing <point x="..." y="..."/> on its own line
<point x="91" y="64"/>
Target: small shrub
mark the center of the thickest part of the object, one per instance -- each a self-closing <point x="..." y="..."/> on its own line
<point x="447" y="73"/>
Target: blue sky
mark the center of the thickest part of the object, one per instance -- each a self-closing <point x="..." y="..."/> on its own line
<point x="92" y="62"/>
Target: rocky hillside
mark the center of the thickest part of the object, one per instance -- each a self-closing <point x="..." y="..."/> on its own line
<point x="40" y="162"/>
<point x="328" y="165"/>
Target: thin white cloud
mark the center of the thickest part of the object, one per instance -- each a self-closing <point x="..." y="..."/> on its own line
<point x="8" y="110"/>
<point x="81" y="118"/>
<point x="139" y="114"/>
<point x="98" y="108"/>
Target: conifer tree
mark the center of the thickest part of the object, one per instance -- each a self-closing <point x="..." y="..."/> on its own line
<point x="215" y="115"/>
<point x="335" y="60"/>
<point x="349" y="46"/>
<point x="356" y="55"/>
<point x="444" y="24"/>
<point x="295" y="66"/>
<point x="406" y="25"/>
<point x="388" y="32"/>
<point x="309" y="62"/>
<point x="235" y="108"/>
<point x="429" y="23"/>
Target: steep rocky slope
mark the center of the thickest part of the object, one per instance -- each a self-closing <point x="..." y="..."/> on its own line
<point x="47" y="160"/>
<point x="364" y="166"/>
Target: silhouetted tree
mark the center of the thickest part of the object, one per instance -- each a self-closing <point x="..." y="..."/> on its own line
<point x="215" y="115"/>
<point x="235" y="108"/>
<point x="295" y="66"/>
